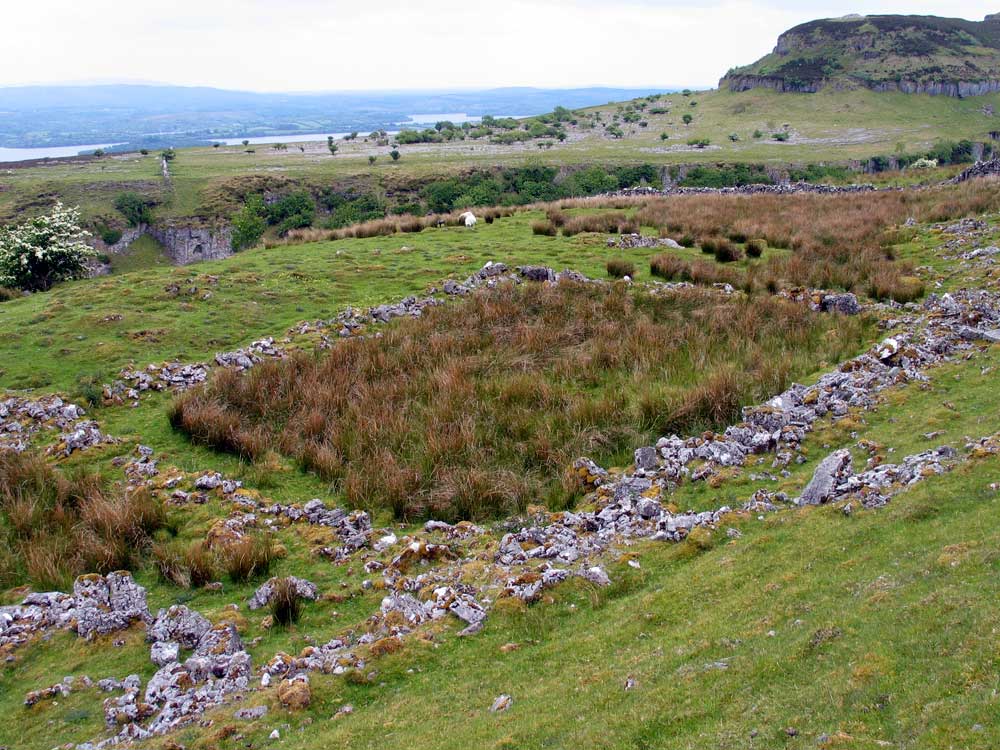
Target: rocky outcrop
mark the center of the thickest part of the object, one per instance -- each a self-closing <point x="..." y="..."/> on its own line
<point x="303" y="589"/>
<point x="182" y="243"/>
<point x="748" y="82"/>
<point x="105" y="604"/>
<point x="989" y="168"/>
<point x="909" y="54"/>
<point x="185" y="244"/>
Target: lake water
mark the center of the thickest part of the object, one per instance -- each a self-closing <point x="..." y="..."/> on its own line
<point x="299" y="138"/>
<point x="419" y="120"/>
<point x="50" y="152"/>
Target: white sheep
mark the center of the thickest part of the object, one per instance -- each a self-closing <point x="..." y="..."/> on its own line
<point x="469" y="219"/>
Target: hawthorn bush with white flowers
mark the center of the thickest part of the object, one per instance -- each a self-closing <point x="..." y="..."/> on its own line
<point x="44" y="251"/>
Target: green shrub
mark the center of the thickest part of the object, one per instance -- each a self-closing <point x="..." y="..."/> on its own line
<point x="109" y="235"/>
<point x="249" y="223"/>
<point x="755" y="248"/>
<point x="294" y="211"/>
<point x="134" y="208"/>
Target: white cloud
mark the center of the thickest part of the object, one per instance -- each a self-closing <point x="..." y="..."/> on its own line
<point x="323" y="45"/>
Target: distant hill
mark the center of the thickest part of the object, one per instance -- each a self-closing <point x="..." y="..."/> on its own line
<point x="155" y="116"/>
<point x="912" y="54"/>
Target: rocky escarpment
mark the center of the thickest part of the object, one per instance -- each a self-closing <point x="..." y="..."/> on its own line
<point x="182" y="243"/>
<point x="186" y="244"/>
<point x="908" y="54"/>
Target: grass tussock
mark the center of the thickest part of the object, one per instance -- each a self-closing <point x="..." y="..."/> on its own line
<point x="619" y="268"/>
<point x="55" y="526"/>
<point x="405" y="224"/>
<point x="248" y="558"/>
<point x="190" y="566"/>
<point x="286" y="604"/>
<point x="476" y="409"/>
<point x="614" y="222"/>
<point x="836" y="241"/>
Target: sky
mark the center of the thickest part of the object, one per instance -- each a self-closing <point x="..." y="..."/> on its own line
<point x="329" y="45"/>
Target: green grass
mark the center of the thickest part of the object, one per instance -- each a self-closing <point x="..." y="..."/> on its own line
<point x="257" y="293"/>
<point x="883" y="622"/>
<point x="142" y="255"/>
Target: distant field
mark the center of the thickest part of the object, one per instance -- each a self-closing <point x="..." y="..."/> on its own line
<point x="829" y="127"/>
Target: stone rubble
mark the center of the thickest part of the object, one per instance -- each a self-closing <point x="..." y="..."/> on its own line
<point x="256" y="352"/>
<point x="637" y="241"/>
<point x="21" y="418"/>
<point x="527" y="560"/>
<point x="790" y="188"/>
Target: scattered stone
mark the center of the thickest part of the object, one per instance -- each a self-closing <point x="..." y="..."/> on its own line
<point x="502" y="703"/>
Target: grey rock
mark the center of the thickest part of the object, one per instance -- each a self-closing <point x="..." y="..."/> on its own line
<point x="826" y="478"/>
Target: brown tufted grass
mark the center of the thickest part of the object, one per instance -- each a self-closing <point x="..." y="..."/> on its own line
<point x="475" y="409"/>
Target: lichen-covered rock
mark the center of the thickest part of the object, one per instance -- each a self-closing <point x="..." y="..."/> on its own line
<point x="845" y="304"/>
<point x="179" y="624"/>
<point x="163" y="653"/>
<point x="105" y="604"/>
<point x="831" y="471"/>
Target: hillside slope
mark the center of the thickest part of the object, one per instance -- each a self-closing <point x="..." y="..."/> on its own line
<point x="912" y="54"/>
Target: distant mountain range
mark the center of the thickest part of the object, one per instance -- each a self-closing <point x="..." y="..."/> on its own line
<point x="912" y="54"/>
<point x="154" y="116"/>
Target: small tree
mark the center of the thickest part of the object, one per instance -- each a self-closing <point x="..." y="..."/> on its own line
<point x="688" y="119"/>
<point x="249" y="223"/>
<point x="44" y="251"/>
<point x="394" y="154"/>
<point x="371" y="160"/>
<point x="331" y="145"/>
<point x="246" y="142"/>
<point x="169" y="154"/>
